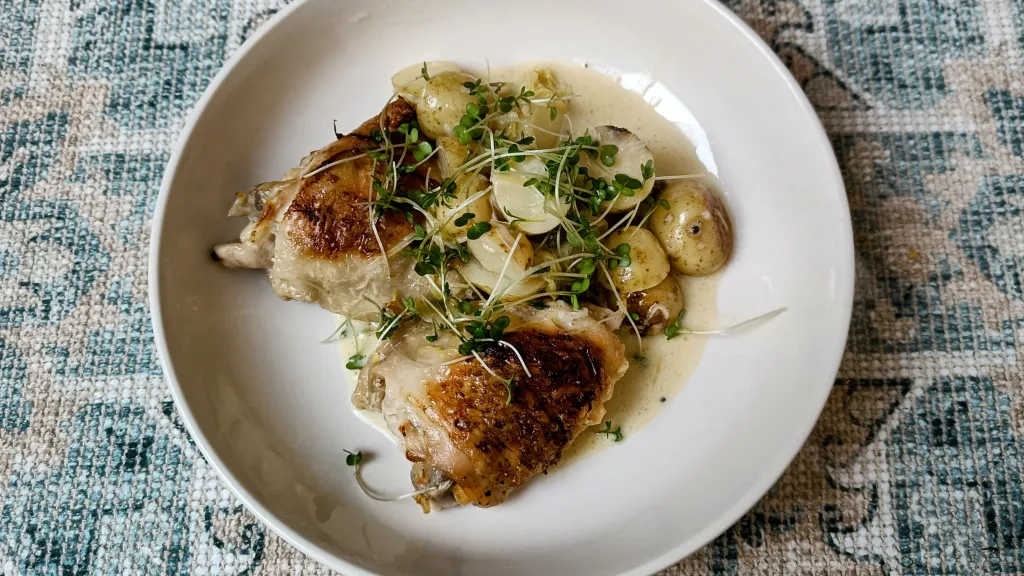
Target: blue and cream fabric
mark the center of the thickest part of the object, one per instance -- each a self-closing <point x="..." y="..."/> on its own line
<point x="917" y="465"/>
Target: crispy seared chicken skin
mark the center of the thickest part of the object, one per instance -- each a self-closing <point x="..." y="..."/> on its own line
<point x="464" y="430"/>
<point x="311" y="231"/>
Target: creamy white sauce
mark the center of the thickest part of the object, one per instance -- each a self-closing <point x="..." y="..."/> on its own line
<point x="358" y="339"/>
<point x="662" y="367"/>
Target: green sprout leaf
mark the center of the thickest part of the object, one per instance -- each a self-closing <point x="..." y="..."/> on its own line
<point x="675" y="329"/>
<point x="477" y="230"/>
<point x="647" y="170"/>
<point x="628" y="182"/>
<point x="464" y="219"/>
<point x="356" y="362"/>
<point x="608" y="152"/>
<point x="422" y="150"/>
<point x="354" y="459"/>
<point x="615" y="434"/>
<point x="510" y="384"/>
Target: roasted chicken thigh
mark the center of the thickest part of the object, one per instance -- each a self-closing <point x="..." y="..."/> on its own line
<point x="465" y="428"/>
<point x="311" y="230"/>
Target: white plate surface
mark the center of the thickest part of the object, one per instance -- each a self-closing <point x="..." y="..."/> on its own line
<point x="269" y="407"/>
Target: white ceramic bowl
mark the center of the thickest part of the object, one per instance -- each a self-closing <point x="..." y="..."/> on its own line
<point x="268" y="405"/>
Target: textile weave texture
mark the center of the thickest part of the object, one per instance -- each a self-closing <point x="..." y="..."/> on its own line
<point x="915" y="467"/>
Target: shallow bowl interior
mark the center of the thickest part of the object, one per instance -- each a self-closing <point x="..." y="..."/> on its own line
<point x="268" y="404"/>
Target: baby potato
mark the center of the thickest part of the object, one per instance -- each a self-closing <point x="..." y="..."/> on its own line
<point x="466" y="185"/>
<point x="409" y="81"/>
<point x="695" y="230"/>
<point x="450" y="155"/>
<point x="524" y="206"/>
<point x="630" y="154"/>
<point x="492" y="249"/>
<point x="540" y="123"/>
<point x="648" y="264"/>
<point x="443" y="104"/>
<point x="657" y="307"/>
<point x="511" y="287"/>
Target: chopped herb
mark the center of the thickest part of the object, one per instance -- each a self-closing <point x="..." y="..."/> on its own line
<point x="423" y="72"/>
<point x="607" y="431"/>
<point x="354" y="459"/>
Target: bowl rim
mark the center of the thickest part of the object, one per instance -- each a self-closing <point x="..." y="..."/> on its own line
<point x="685" y="548"/>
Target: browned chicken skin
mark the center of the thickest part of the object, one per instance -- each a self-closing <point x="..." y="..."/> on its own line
<point x="312" y="230"/>
<point x="458" y="423"/>
<point x="510" y="444"/>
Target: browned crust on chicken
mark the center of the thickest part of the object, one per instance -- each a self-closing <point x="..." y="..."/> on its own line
<point x="329" y="216"/>
<point x="508" y="445"/>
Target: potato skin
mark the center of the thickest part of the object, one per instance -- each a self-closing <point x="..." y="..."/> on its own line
<point x="466" y="185"/>
<point x="649" y="264"/>
<point x="657" y="307"/>
<point x="695" y="231"/>
<point x="442" y="104"/>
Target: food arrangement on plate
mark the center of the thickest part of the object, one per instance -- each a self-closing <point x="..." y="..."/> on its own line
<point x="498" y="256"/>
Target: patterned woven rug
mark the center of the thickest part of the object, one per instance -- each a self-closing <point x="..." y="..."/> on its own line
<point x="915" y="467"/>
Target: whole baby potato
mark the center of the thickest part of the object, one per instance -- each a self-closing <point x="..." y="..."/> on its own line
<point x="442" y="104"/>
<point x="647" y="266"/>
<point x="695" y="229"/>
<point x="656" y="307"/>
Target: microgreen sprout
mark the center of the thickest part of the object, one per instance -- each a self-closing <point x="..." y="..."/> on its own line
<point x="477" y="230"/>
<point x="615" y="434"/>
<point x="497" y="126"/>
<point x="354" y="459"/>
<point x="675" y="328"/>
